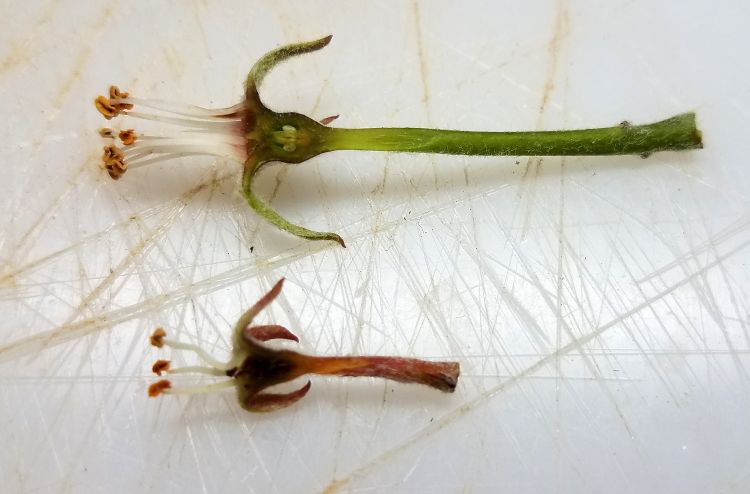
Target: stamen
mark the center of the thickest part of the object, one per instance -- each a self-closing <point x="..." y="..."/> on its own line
<point x="114" y="161"/>
<point x="164" y="366"/>
<point x="221" y="125"/>
<point x="128" y="137"/>
<point x="160" y="366"/>
<point x="198" y="369"/>
<point x="194" y="390"/>
<point x="109" y="108"/>
<point x="159" y="339"/>
<point x="183" y="109"/>
<point x="114" y="92"/>
<point x="182" y="142"/>
<point x="233" y="138"/>
<point x="202" y="354"/>
<point x="105" y="107"/>
<point x="158" y="388"/>
<point x="205" y="132"/>
<point x="180" y="147"/>
<point x="140" y="162"/>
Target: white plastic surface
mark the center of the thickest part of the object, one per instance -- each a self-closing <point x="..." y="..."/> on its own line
<point x="598" y="306"/>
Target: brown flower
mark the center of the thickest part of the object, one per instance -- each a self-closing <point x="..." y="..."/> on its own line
<point x="254" y="367"/>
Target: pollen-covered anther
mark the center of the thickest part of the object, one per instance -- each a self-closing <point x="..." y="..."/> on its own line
<point x="128" y="137"/>
<point x="115" y="93"/>
<point x="160" y="366"/>
<point x="159" y="387"/>
<point x="114" y="161"/>
<point x="116" y="169"/>
<point x="105" y="107"/>
<point x="112" y="106"/>
<point x="157" y="337"/>
<point x="107" y="133"/>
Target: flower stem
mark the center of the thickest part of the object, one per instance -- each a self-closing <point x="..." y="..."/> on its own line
<point x="673" y="134"/>
<point x="439" y="375"/>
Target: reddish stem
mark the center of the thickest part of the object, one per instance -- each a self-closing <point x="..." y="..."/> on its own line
<point x="439" y="375"/>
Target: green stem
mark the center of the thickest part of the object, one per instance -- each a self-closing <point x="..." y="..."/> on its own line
<point x="672" y="134"/>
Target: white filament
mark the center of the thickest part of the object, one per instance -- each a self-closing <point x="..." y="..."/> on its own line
<point x="194" y="390"/>
<point x="204" y="124"/>
<point x="214" y="132"/>
<point x="202" y="354"/>
<point x="180" y="108"/>
<point x="197" y="369"/>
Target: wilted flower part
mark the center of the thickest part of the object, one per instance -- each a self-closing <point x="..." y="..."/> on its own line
<point x="254" y="367"/>
<point x="202" y="131"/>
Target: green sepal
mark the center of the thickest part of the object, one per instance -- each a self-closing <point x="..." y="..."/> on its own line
<point x="275" y="218"/>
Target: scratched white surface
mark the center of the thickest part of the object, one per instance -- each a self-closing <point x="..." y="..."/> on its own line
<point x="598" y="306"/>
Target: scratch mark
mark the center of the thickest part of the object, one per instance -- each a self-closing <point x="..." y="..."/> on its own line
<point x="194" y="449"/>
<point x="61" y="95"/>
<point x="708" y="300"/>
<point x="21" y="245"/>
<point x="334" y="486"/>
<point x="473" y="404"/>
<point x="20" y="52"/>
<point x="174" y="61"/>
<point x="423" y="74"/>
<point x="560" y="32"/>
<point x="680" y="310"/>
<point x="75" y="330"/>
<point x="740" y="226"/>
<point x="534" y="164"/>
<point x="197" y="7"/>
<point x="560" y="321"/>
<point x="420" y="52"/>
<point x="131" y="258"/>
<point x="75" y="74"/>
<point x="560" y="295"/>
<point x="82" y="58"/>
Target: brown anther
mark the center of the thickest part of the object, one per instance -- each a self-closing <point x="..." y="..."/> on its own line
<point x="116" y="169"/>
<point x="110" y="108"/>
<point x="157" y="338"/>
<point x="105" y="107"/>
<point x="158" y="388"/>
<point x="123" y="106"/>
<point x="114" y="161"/>
<point x="116" y="94"/>
<point x="111" y="152"/>
<point x="128" y="137"/>
<point x="160" y="366"/>
<point x="107" y="133"/>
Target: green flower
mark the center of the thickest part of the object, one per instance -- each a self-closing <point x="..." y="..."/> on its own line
<point x="254" y="135"/>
